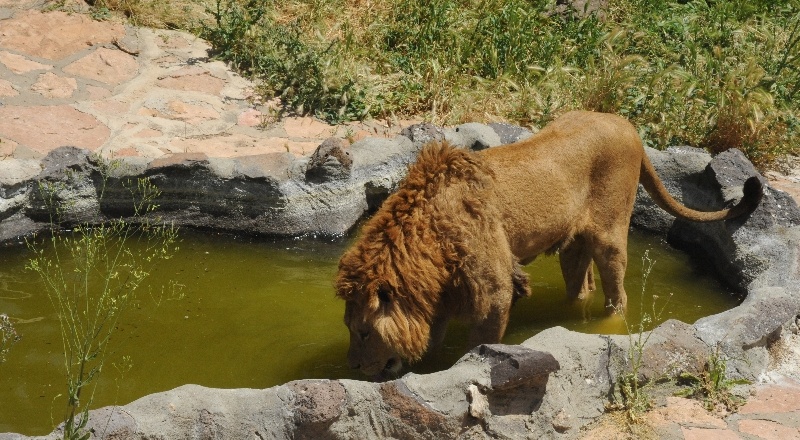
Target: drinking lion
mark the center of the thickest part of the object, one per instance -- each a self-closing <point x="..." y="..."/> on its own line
<point x="450" y="241"/>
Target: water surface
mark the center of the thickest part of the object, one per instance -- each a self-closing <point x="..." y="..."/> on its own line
<point x="260" y="313"/>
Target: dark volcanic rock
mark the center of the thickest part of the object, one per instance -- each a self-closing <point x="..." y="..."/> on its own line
<point x="513" y="366"/>
<point x="423" y="133"/>
<point x="329" y="162"/>
<point x="510" y="133"/>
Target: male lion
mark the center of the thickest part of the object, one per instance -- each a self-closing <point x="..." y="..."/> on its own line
<point x="449" y="242"/>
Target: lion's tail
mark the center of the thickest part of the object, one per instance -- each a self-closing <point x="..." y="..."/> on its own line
<point x="753" y="191"/>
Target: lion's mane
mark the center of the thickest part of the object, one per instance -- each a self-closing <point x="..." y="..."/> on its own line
<point x="411" y="248"/>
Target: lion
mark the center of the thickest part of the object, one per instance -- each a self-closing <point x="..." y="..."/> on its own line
<point x="450" y="242"/>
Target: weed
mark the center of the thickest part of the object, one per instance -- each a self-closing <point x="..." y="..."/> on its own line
<point x="90" y="276"/>
<point x="631" y="394"/>
<point x="308" y="76"/>
<point x="100" y="14"/>
<point x="173" y="14"/>
<point x="712" y="385"/>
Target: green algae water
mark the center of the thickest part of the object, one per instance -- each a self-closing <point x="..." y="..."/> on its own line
<point x="253" y="314"/>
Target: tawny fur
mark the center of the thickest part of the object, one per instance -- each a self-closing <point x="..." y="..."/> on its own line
<point x="449" y="242"/>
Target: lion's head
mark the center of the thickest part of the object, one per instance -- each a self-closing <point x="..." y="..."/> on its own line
<point x="390" y="301"/>
<point x="393" y="278"/>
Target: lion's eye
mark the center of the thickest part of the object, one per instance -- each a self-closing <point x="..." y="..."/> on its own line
<point x="383" y="295"/>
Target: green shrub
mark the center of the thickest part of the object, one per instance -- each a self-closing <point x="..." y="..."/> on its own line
<point x="716" y="75"/>
<point x="712" y="386"/>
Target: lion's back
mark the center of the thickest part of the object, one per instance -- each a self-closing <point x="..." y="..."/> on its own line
<point x="576" y="173"/>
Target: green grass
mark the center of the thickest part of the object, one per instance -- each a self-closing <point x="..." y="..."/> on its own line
<point x="707" y="73"/>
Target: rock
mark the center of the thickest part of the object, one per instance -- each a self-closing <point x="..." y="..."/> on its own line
<point x="730" y="168"/>
<point x="7" y="89"/>
<point x="56" y="34"/>
<point x="590" y="366"/>
<point x="53" y="86"/>
<point x="317" y="405"/>
<point x="412" y="418"/>
<point x="277" y="166"/>
<point x="57" y="126"/>
<point x="21" y="65"/>
<point x="305" y="127"/>
<point x="64" y="191"/>
<point x="15" y="172"/>
<point x="478" y="404"/>
<point x="329" y="162"/>
<point x="551" y="385"/>
<point x="473" y="136"/>
<point x="193" y="78"/>
<point x="423" y="133"/>
<point x="381" y="164"/>
<point x="745" y="332"/>
<point x="107" y="66"/>
<point x="707" y="184"/>
<point x="15" y="188"/>
<point x="673" y="347"/>
<point x="510" y="133"/>
<point x="14" y="227"/>
<point x="680" y="169"/>
<point x="562" y="422"/>
<point x="512" y="366"/>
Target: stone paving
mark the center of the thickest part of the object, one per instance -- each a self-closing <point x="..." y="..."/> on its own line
<point x="118" y="90"/>
<point x="123" y="91"/>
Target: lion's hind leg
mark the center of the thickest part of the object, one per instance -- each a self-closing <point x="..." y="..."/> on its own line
<point x="612" y="260"/>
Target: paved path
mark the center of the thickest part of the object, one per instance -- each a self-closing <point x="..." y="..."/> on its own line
<point x="772" y="412"/>
<point x="123" y="91"/>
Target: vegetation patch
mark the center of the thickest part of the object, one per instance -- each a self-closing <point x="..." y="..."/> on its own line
<point x="716" y="75"/>
<point x="712" y="386"/>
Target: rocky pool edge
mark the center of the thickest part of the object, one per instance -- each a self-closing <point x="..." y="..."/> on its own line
<point x="549" y="386"/>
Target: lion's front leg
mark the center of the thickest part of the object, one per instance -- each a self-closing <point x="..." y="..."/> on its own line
<point x="576" y="267"/>
<point x="438" y="332"/>
<point x="491" y="329"/>
<point x="487" y="280"/>
<point x="493" y="293"/>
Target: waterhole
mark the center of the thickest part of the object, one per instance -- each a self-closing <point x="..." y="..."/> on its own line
<point x="254" y="314"/>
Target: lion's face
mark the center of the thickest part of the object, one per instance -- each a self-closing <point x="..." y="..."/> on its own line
<point x="368" y="351"/>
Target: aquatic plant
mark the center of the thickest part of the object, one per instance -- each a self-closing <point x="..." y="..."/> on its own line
<point x="8" y="336"/>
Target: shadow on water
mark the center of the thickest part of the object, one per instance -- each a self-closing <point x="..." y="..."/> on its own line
<point x="254" y="314"/>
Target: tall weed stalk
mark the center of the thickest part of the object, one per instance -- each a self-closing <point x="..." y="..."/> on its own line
<point x="91" y="275"/>
<point x="8" y="336"/>
<point x="631" y="394"/>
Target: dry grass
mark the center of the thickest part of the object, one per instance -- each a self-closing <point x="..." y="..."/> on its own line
<point x="171" y="14"/>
